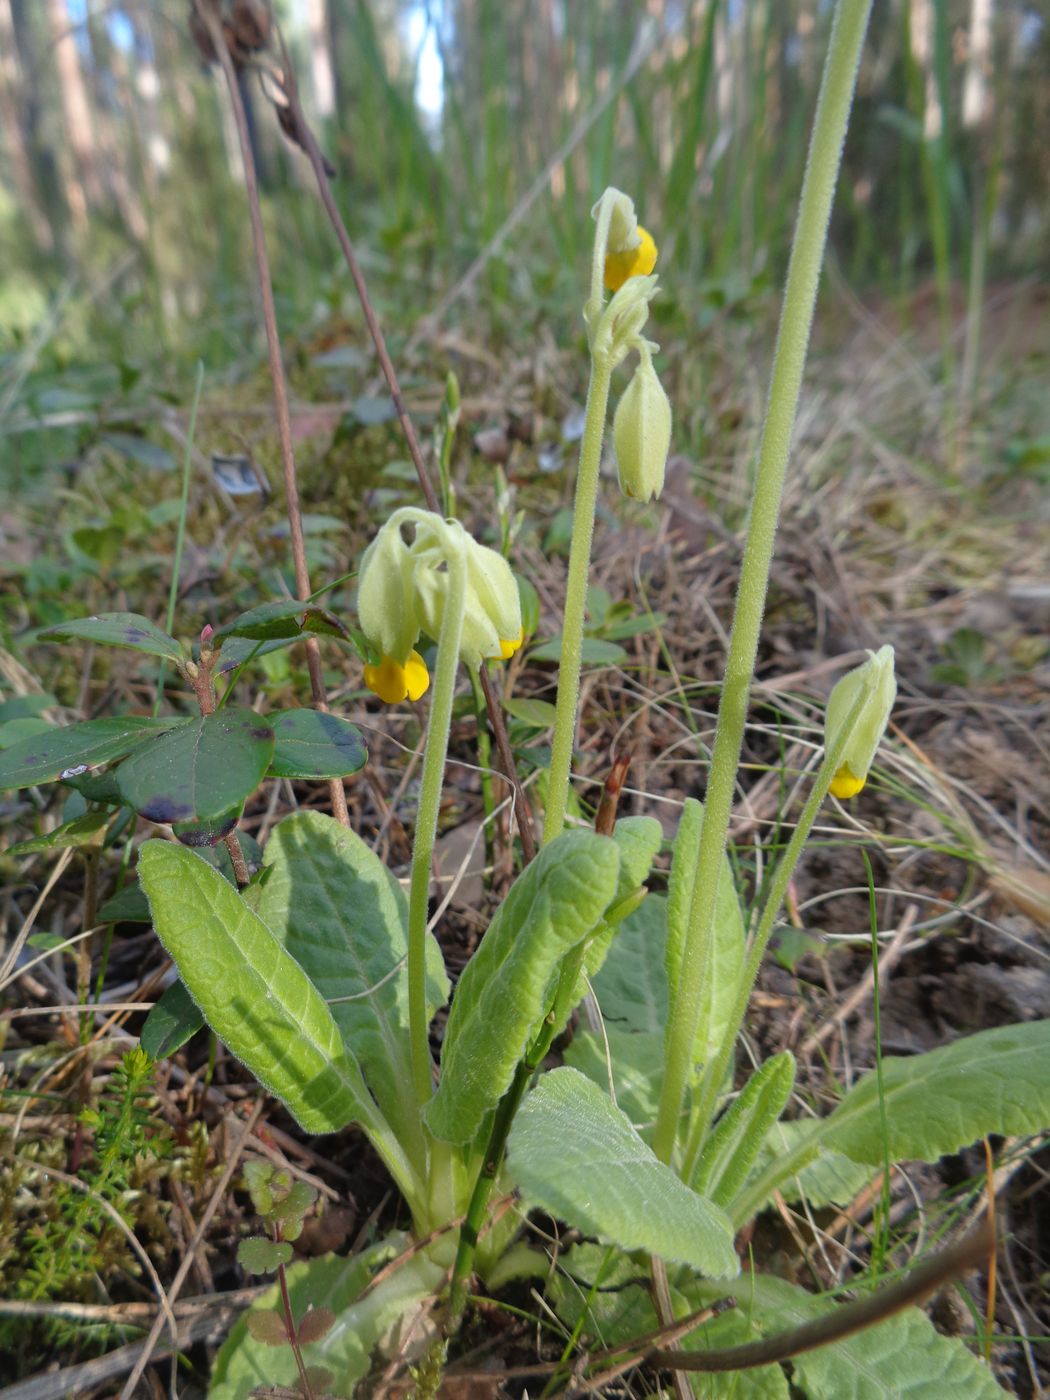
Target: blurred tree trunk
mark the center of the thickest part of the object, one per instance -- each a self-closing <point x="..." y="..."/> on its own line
<point x="80" y="172"/>
<point x="12" y="106"/>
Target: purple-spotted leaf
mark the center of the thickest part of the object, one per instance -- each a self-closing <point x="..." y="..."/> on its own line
<point x="260" y="1256"/>
<point x="116" y="629"/>
<point x="317" y="1323"/>
<point x="312" y="744"/>
<point x="267" y="1327"/>
<point x="200" y="835"/>
<point x="70" y="751"/>
<point x="200" y="772"/>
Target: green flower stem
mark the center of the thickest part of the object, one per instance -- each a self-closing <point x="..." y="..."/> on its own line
<point x="427" y="819"/>
<point x="715" y="1072"/>
<point x="800" y="293"/>
<point x="576" y="597"/>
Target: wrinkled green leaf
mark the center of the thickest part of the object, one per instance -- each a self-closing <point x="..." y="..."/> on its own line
<point x="740" y="1133"/>
<point x="632" y="1062"/>
<point x="245" y="1364"/>
<point x="253" y="994"/>
<point x="556" y="903"/>
<point x="172" y="1021"/>
<point x="313" y="744"/>
<point x="116" y="629"/>
<point x="719" y="988"/>
<point x="340" y="913"/>
<point x="572" y="1152"/>
<point x="200" y="771"/>
<point x="44" y="758"/>
<point x="904" y="1358"/>
<point x="830" y="1179"/>
<point x="997" y="1081"/>
<point x="81" y="831"/>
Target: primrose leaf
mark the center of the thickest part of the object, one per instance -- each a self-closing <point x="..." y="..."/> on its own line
<point x="903" y="1358"/>
<point x="574" y="1153"/>
<point x="172" y="1021"/>
<point x="557" y="902"/>
<point x="253" y="994"/>
<point x="313" y="744"/>
<point x="997" y="1081"/>
<point x="201" y="771"/>
<point x="719" y="989"/>
<point x="116" y="629"/>
<point x="340" y="913"/>
<point x="45" y="758"/>
<point x="538" y="714"/>
<point x="245" y="1363"/>
<point x="593" y="652"/>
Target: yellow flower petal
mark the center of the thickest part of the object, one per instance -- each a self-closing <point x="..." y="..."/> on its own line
<point x="417" y="677"/>
<point x="388" y="680"/>
<point x="508" y="648"/>
<point x="632" y="262"/>
<point x="845" y="783"/>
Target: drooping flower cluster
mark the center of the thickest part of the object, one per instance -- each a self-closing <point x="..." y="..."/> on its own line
<point x="875" y="677"/>
<point x="403" y="591"/>
<point x="642" y="425"/>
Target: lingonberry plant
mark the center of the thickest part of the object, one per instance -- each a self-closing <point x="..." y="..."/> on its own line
<point x="324" y="978"/>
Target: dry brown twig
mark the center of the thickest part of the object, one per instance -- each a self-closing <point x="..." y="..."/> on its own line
<point x="210" y="19"/>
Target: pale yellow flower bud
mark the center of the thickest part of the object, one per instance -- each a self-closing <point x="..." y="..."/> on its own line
<point x="642" y="434"/>
<point x="876" y="676"/>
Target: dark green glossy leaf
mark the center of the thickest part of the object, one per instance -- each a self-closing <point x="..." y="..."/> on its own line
<point x="96" y="787"/>
<point x="22" y="706"/>
<point x="201" y="771"/>
<point x="237" y="650"/>
<point x="68" y="752"/>
<point x="312" y="744"/>
<point x="81" y="831"/>
<point x="173" y="1020"/>
<point x="117" y="629"/>
<point x="127" y="906"/>
<point x="208" y="833"/>
<point x="283" y="620"/>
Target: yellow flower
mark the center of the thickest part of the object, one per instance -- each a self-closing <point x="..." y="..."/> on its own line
<point x="392" y="682"/>
<point x="507" y="648"/>
<point x="845" y="783"/>
<point x="638" y="261"/>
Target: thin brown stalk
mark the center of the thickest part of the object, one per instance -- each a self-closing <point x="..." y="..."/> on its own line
<point x="308" y="143"/>
<point x="277" y="375"/>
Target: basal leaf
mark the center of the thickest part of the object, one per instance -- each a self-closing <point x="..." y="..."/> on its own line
<point x="253" y="994"/>
<point x="556" y="903"/>
<point x="201" y="771"/>
<point x="727" y="953"/>
<point x="574" y="1153"/>
<point x="245" y="1364"/>
<point x="116" y="629"/>
<point x="340" y="913"/>
<point x="630" y="1063"/>
<point x="904" y="1358"/>
<point x="997" y="1081"/>
<point x="46" y="757"/>
<point x="313" y="744"/>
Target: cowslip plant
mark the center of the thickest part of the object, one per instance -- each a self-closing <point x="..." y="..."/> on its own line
<point x="323" y="977"/>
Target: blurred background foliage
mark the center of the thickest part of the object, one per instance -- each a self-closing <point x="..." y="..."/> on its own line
<point x="463" y="126"/>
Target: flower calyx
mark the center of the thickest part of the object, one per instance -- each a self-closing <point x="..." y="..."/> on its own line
<point x="642" y="432"/>
<point x="404" y="589"/>
<point x="873" y="685"/>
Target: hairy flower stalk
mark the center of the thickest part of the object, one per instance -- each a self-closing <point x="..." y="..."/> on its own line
<point x="800" y="294"/>
<point x="623" y="257"/>
<point x="445" y="584"/>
